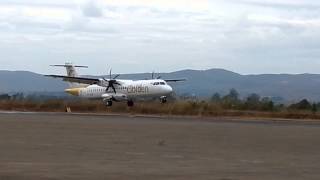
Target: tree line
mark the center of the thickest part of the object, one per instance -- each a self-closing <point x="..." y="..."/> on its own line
<point x="230" y="101"/>
<point x="257" y="103"/>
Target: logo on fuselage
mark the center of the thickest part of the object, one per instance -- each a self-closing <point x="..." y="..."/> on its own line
<point x="137" y="89"/>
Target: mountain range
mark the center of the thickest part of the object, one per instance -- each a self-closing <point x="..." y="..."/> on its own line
<point x="201" y="83"/>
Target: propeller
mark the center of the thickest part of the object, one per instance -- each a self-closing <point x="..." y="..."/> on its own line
<point x="153" y="76"/>
<point x="112" y="82"/>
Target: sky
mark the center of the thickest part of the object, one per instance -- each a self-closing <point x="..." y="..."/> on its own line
<point x="130" y="36"/>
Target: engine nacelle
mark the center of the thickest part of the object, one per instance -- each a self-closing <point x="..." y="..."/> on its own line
<point x="103" y="83"/>
<point x="114" y="97"/>
<point x="120" y="97"/>
<point x="106" y="96"/>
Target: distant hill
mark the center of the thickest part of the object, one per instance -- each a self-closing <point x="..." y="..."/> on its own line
<point x="24" y="81"/>
<point x="200" y="83"/>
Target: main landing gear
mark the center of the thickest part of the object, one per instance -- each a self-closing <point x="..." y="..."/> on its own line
<point x="108" y="103"/>
<point x="130" y="103"/>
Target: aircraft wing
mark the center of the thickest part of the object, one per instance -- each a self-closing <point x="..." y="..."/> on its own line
<point x="174" y="80"/>
<point x="81" y="80"/>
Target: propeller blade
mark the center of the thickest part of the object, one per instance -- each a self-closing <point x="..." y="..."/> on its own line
<point x="114" y="89"/>
<point x="152" y="76"/>
<point x="110" y="73"/>
<point x="116" y="76"/>
<point x="104" y="82"/>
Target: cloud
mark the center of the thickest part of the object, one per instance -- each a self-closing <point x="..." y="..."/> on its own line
<point x="92" y="9"/>
<point x="247" y="36"/>
<point x="282" y="4"/>
<point x="182" y="5"/>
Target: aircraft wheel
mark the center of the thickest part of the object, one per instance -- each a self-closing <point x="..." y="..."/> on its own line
<point x="109" y="103"/>
<point x="130" y="103"/>
<point x="163" y="100"/>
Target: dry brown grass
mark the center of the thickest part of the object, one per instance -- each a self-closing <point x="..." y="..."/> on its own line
<point x="181" y="108"/>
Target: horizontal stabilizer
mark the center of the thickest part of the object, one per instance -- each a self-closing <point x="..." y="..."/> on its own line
<point x="174" y="80"/>
<point x="68" y="65"/>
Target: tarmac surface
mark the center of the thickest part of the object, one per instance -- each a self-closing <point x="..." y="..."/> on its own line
<point x="80" y="147"/>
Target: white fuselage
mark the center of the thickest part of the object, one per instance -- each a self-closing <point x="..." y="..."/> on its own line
<point x="128" y="89"/>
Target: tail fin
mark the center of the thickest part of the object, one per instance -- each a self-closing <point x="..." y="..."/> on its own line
<point x="71" y="69"/>
<point x="71" y="72"/>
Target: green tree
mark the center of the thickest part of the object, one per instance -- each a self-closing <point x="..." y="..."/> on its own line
<point x="253" y="102"/>
<point x="302" y="105"/>
<point x="267" y="104"/>
<point x="17" y="96"/>
<point x="231" y="100"/>
<point x="314" y="108"/>
<point x="233" y="95"/>
<point x="4" y="97"/>
<point x="216" y="98"/>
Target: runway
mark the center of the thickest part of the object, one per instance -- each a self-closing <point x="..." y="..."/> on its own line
<point x="54" y="146"/>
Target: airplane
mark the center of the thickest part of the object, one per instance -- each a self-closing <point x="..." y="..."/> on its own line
<point x="117" y="90"/>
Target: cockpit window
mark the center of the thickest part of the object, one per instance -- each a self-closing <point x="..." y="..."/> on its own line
<point x="159" y="83"/>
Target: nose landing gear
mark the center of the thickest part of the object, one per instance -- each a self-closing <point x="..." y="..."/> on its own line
<point x="163" y="99"/>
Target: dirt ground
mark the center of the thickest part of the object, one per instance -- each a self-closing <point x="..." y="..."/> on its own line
<point x="81" y="147"/>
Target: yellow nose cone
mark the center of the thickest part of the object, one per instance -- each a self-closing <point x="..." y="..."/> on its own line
<point x="73" y="91"/>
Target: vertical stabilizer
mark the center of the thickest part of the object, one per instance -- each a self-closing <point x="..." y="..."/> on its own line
<point x="71" y="72"/>
<point x="71" y="69"/>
